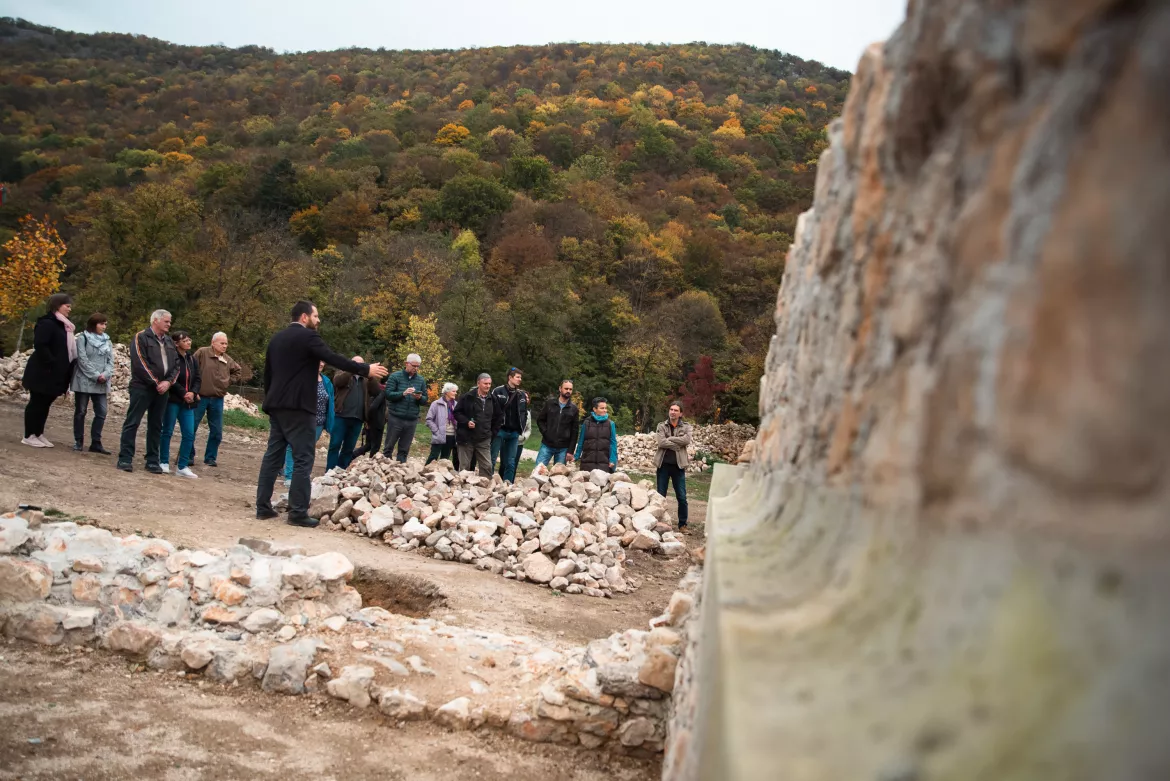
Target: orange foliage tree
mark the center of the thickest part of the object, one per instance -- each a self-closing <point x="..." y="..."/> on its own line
<point x="32" y="271"/>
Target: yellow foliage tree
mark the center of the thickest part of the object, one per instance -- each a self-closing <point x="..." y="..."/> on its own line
<point x="467" y="105"/>
<point x="451" y="134"/>
<point x="729" y="129"/>
<point x="32" y="271"/>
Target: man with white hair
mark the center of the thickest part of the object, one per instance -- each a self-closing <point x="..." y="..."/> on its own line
<point x="406" y="394"/>
<point x="217" y="372"/>
<point x="154" y="364"/>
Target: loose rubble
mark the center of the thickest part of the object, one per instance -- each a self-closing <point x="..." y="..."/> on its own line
<point x="264" y="613"/>
<point x="725" y="441"/>
<point x="12" y="369"/>
<point x="565" y="530"/>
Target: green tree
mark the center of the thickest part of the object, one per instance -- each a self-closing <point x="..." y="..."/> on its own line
<point x="470" y="201"/>
<point x="422" y="338"/>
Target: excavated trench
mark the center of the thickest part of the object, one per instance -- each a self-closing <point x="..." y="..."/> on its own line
<point x="406" y="595"/>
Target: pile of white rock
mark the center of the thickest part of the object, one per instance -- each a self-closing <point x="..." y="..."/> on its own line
<point x="233" y="401"/>
<point x="725" y="441"/>
<point x="566" y="530"/>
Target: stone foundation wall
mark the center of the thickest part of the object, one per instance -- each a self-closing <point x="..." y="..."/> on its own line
<point x="949" y="556"/>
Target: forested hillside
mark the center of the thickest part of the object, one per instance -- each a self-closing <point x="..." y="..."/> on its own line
<point x="610" y="213"/>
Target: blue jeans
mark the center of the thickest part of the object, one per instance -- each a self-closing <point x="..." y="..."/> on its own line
<point x="506" y="447"/>
<point x="213" y="406"/>
<point x="556" y="454"/>
<point x="288" y="461"/>
<point x="342" y="440"/>
<point x="677" y="475"/>
<point x="186" y="420"/>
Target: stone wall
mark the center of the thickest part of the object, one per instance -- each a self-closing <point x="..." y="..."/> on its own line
<point x="950" y="554"/>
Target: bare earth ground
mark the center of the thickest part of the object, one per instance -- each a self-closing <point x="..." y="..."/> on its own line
<point x="107" y="723"/>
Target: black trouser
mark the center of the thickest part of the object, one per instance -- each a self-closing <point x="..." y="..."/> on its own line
<point x="295" y="429"/>
<point x="152" y="404"/>
<point x="677" y="475"/>
<point x="399" y="431"/>
<point x="373" y="441"/>
<point x="100" y="406"/>
<point x="36" y="412"/>
<point x="443" y="450"/>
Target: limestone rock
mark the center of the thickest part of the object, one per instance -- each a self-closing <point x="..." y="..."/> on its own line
<point x="263" y="620"/>
<point x="538" y="567"/>
<point x="132" y="638"/>
<point x="288" y="666"/>
<point x="554" y="532"/>
<point x="456" y="714"/>
<point x="353" y="685"/>
<point x="24" y="581"/>
<point x="401" y="705"/>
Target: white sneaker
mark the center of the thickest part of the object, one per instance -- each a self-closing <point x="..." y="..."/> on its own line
<point x="44" y="442"/>
<point x="32" y="442"/>
<point x="166" y="468"/>
<point x="186" y="472"/>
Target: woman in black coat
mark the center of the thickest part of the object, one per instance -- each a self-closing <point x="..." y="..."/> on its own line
<point x="49" y="368"/>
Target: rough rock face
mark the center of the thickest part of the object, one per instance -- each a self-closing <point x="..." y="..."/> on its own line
<point x="950" y="554"/>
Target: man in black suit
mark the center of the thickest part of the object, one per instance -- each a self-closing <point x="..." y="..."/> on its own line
<point x="290" y="399"/>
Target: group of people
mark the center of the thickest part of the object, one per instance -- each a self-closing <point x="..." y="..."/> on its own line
<point x="169" y="385"/>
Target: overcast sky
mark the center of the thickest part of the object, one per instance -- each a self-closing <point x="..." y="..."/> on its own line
<point x="832" y="31"/>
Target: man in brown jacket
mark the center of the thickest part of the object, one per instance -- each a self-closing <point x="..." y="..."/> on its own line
<point x="672" y="459"/>
<point x="217" y="372"/>
<point x="351" y="411"/>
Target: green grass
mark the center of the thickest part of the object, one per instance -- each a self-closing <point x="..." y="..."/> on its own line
<point x="240" y="419"/>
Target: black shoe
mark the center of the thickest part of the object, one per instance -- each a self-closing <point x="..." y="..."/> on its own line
<point x="307" y="522"/>
<point x="264" y="515"/>
<point x="682" y="525"/>
<point x="155" y="470"/>
<point x="78" y="447"/>
<point x="125" y="467"/>
<point x="99" y="449"/>
<point x="210" y="463"/>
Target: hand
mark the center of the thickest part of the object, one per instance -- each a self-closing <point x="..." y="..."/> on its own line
<point x="408" y="392"/>
<point x="188" y="397"/>
<point x="471" y="424"/>
<point x="569" y="457"/>
<point x="163" y="386"/>
<point x="378" y="371"/>
<point x="101" y="378"/>
<point x="612" y="465"/>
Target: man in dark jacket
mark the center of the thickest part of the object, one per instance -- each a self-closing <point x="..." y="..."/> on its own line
<point x="290" y="399"/>
<point x="506" y="444"/>
<point x="478" y="418"/>
<point x="352" y="411"/>
<point x="558" y="421"/>
<point x="406" y="394"/>
<point x="154" y="364"/>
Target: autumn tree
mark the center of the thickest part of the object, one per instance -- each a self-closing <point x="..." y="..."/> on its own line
<point x="697" y="394"/>
<point x="34" y="260"/>
<point x="646" y="368"/>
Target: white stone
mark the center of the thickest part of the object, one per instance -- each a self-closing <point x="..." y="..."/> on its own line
<point x="415" y="529"/>
<point x="538" y="568"/>
<point x="330" y="566"/>
<point x="263" y="620"/>
<point x="456" y="714"/>
<point x="554" y="532"/>
<point x="353" y="685"/>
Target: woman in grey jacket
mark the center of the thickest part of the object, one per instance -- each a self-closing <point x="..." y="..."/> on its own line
<point x="441" y="421"/>
<point x="91" y="382"/>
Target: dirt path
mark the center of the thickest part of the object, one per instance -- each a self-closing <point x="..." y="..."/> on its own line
<point x="93" y="716"/>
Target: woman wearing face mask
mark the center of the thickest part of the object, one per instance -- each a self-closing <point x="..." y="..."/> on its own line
<point x="49" y="368"/>
<point x="91" y="382"/>
<point x="181" y="405"/>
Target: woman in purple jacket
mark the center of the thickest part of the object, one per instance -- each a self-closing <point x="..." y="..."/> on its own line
<point x="441" y="421"/>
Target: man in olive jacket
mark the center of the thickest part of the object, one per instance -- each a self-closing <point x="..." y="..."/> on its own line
<point x="406" y="394"/>
<point x="672" y="460"/>
<point x="217" y="371"/>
